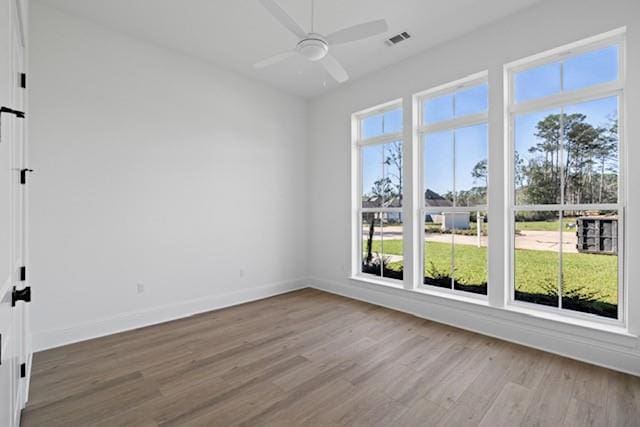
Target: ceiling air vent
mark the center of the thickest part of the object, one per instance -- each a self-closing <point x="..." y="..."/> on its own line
<point x="397" y="38"/>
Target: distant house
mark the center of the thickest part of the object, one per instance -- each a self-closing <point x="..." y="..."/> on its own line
<point x="447" y="220"/>
<point x="394" y="202"/>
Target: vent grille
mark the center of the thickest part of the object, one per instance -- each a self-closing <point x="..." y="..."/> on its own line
<point x="391" y="41"/>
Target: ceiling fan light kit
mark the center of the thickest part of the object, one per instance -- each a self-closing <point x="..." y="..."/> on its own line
<point x="315" y="47"/>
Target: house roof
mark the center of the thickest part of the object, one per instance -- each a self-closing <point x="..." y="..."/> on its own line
<point x="431" y="198"/>
<point x="434" y="199"/>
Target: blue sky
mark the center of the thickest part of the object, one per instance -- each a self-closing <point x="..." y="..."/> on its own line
<point x="579" y="72"/>
<point x="438" y="157"/>
<point x="471" y="143"/>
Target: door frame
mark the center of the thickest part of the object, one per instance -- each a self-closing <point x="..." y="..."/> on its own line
<point x="21" y="244"/>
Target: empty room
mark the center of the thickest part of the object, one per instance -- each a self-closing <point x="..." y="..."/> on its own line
<point x="319" y="213"/>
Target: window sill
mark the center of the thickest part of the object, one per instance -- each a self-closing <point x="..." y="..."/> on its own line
<point x="479" y="300"/>
<point x="372" y="280"/>
<point x="568" y="320"/>
<point x="617" y="334"/>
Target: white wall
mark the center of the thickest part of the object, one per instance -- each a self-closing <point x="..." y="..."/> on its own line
<point x="154" y="168"/>
<point x="542" y="27"/>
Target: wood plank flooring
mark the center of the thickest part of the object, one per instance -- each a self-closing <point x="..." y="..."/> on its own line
<point x="312" y="358"/>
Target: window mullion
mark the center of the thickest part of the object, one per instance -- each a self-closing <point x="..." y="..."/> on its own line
<point x="458" y="122"/>
<point x="380" y="139"/>
<point x="498" y="244"/>
<point x="380" y="213"/>
<point x="455" y="205"/>
<point x="562" y="196"/>
<point x="381" y="225"/>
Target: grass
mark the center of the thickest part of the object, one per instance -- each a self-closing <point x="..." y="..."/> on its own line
<point x="431" y="227"/>
<point x="586" y="276"/>
<point x="538" y="225"/>
<point x="542" y="225"/>
<point x="553" y="225"/>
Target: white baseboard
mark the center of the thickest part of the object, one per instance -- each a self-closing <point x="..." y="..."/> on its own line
<point x="138" y="319"/>
<point x="565" y="340"/>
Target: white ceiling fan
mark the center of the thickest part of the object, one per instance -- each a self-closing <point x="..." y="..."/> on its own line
<point x="314" y="46"/>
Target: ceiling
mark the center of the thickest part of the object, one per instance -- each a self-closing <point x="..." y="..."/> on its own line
<point x="234" y="34"/>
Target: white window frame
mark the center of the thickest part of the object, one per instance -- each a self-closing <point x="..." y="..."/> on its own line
<point x="451" y="124"/>
<point x="357" y="144"/>
<point x="560" y="100"/>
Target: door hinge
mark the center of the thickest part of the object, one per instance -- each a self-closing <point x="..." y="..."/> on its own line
<point x="23" y="273"/>
<point x="23" y="80"/>
<point x="7" y="110"/>
<point x="23" y="175"/>
<point x="23" y="294"/>
<point x="23" y="370"/>
<point x="17" y="113"/>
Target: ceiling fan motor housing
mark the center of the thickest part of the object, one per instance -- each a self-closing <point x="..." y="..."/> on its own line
<point x="314" y="48"/>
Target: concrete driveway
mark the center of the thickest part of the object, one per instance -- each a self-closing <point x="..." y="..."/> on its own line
<point x="527" y="239"/>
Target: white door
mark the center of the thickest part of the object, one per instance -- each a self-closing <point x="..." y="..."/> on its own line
<point x="15" y="347"/>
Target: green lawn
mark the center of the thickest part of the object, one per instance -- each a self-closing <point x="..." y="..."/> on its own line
<point x="544" y="225"/>
<point x="431" y="227"/>
<point x="536" y="271"/>
<point x="538" y="225"/>
<point x="554" y="225"/>
<point x="551" y="225"/>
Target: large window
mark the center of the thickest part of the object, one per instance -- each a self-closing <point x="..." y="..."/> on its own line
<point x="422" y="202"/>
<point x="567" y="210"/>
<point x="380" y="154"/>
<point x="453" y="133"/>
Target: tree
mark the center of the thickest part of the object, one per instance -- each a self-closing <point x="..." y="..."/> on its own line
<point x="607" y="158"/>
<point x="572" y="156"/>
<point x="479" y="171"/>
<point x="519" y="167"/>
<point x="393" y="161"/>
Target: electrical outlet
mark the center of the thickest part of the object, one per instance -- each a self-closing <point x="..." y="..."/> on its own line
<point x="242" y="272"/>
<point x="140" y="287"/>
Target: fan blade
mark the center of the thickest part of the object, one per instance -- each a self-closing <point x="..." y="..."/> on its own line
<point x="358" y="32"/>
<point x="274" y="59"/>
<point x="334" y="68"/>
<point x="283" y="18"/>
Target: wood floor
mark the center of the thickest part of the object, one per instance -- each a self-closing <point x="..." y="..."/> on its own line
<point x="311" y="358"/>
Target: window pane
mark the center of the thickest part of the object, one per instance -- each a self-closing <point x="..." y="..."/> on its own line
<point x="438" y="109"/>
<point x="471" y="165"/>
<point x="438" y="250"/>
<point x="373" y="183"/>
<point x="538" y="158"/>
<point x="383" y="123"/>
<point x="372" y="126"/>
<point x="392" y="121"/>
<point x="590" y="262"/>
<point x="393" y="164"/>
<point x="537" y="82"/>
<point x="438" y="168"/>
<point x="591" y="151"/>
<point x="393" y="261"/>
<point x="470" y="252"/>
<point x="591" y="68"/>
<point x="371" y="243"/>
<point x="473" y="100"/>
<point x="537" y="257"/>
